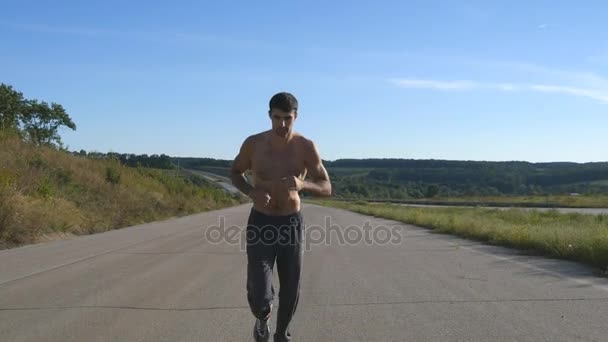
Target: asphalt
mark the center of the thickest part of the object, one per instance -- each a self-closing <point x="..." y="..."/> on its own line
<point x="167" y="281"/>
<point x="221" y="181"/>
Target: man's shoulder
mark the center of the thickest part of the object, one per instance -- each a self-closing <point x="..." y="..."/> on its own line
<point x="307" y="146"/>
<point x="301" y="139"/>
<point x="254" y="138"/>
<point x="304" y="141"/>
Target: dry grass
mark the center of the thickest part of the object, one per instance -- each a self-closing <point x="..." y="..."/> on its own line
<point x="48" y="194"/>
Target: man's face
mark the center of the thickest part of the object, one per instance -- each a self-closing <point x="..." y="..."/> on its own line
<point x="282" y="122"/>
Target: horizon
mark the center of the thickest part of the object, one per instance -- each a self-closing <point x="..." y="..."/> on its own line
<point x="368" y="158"/>
<point x="472" y="81"/>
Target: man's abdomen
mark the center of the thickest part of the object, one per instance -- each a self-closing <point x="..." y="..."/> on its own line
<point x="282" y="206"/>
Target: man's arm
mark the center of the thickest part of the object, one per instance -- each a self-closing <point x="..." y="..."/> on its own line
<point x="319" y="184"/>
<point x="242" y="163"/>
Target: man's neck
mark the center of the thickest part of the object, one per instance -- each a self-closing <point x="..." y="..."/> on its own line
<point x="279" y="141"/>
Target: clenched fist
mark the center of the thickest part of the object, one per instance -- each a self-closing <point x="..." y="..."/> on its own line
<point x="260" y="197"/>
<point x="280" y="190"/>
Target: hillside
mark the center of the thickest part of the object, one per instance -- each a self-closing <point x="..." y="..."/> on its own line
<point x="47" y="193"/>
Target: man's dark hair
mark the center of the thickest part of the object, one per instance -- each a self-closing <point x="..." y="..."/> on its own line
<point x="284" y="101"/>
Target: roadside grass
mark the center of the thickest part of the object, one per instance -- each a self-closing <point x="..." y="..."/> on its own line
<point x="549" y="201"/>
<point x="48" y="194"/>
<point x="572" y="236"/>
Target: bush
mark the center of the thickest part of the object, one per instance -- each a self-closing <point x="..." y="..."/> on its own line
<point x="112" y="175"/>
<point x="7" y="214"/>
<point x="45" y="188"/>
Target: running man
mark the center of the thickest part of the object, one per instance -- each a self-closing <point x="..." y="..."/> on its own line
<point x="279" y="160"/>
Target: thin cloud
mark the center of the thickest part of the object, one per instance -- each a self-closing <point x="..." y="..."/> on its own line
<point x="507" y="86"/>
<point x="434" y="84"/>
<point x="140" y="35"/>
<point x="598" y="94"/>
<point x="77" y="31"/>
<point x="582" y="79"/>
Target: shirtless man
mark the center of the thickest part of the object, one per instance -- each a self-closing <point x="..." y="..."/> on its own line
<point x="279" y="160"/>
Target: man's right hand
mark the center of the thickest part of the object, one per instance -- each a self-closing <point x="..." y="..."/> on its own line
<point x="259" y="197"/>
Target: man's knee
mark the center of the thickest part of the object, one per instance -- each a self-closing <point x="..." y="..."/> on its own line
<point x="262" y="311"/>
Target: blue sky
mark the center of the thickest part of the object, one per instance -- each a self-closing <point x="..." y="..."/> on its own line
<point x="458" y="80"/>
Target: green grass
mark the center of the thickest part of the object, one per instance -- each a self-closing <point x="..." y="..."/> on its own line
<point x="578" y="237"/>
<point x="580" y="201"/>
<point x="600" y="182"/>
<point x="47" y="194"/>
<point x="552" y="201"/>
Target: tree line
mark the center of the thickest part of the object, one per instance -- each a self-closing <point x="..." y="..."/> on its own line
<point x="156" y="161"/>
<point x="410" y="178"/>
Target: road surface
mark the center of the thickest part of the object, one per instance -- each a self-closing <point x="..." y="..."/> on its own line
<point x="165" y="281"/>
<point x="224" y="182"/>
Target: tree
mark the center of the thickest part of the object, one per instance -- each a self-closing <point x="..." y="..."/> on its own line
<point x="11" y="103"/>
<point x="432" y="191"/>
<point x="40" y="123"/>
<point x="37" y="122"/>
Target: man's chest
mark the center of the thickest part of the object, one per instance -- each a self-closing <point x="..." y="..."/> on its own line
<point x="268" y="163"/>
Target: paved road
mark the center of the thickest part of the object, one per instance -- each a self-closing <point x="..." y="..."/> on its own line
<point x="223" y="182"/>
<point x="165" y="282"/>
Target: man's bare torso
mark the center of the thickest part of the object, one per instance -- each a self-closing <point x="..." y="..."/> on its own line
<point x="271" y="163"/>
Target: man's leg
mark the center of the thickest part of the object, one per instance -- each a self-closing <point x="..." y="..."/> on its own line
<point x="289" y="267"/>
<point x="260" y="262"/>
